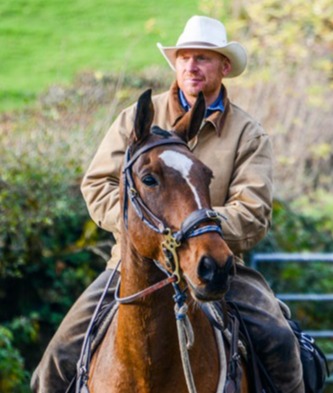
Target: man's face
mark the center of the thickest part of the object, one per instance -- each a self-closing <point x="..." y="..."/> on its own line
<point x="200" y="70"/>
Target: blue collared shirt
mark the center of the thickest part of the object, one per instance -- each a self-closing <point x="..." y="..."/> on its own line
<point x="217" y="105"/>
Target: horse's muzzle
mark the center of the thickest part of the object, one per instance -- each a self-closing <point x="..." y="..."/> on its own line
<point x="214" y="277"/>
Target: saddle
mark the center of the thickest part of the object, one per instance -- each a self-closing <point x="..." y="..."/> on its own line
<point x="230" y="322"/>
<point x="314" y="362"/>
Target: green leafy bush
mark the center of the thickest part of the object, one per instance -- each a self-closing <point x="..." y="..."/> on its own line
<point x="12" y="373"/>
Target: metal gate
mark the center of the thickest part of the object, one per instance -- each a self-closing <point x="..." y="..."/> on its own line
<point x="258" y="260"/>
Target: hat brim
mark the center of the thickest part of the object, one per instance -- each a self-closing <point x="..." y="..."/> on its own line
<point x="234" y="51"/>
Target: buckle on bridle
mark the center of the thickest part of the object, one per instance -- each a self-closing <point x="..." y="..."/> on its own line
<point x="169" y="246"/>
<point x="215" y="216"/>
<point x="133" y="191"/>
<point x="211" y="214"/>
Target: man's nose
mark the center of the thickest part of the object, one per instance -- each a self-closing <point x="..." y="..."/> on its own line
<point x="191" y="65"/>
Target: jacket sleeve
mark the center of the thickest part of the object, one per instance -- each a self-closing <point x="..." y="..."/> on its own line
<point x="100" y="185"/>
<point x="249" y="200"/>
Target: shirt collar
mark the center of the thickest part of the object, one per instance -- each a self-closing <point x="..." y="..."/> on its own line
<point x="217" y="105"/>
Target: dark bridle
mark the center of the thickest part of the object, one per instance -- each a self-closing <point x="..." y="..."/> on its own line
<point x="190" y="227"/>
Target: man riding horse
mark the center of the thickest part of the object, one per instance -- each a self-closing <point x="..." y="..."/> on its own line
<point x="238" y="151"/>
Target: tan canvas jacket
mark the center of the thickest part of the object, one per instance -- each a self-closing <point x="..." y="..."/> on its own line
<point x="231" y="143"/>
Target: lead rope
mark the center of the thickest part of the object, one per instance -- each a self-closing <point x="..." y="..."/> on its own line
<point x="185" y="336"/>
<point x="186" y="341"/>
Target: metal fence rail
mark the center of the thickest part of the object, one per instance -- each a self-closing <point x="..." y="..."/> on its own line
<point x="262" y="258"/>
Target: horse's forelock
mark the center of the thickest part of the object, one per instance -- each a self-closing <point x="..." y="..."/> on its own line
<point x="156" y="130"/>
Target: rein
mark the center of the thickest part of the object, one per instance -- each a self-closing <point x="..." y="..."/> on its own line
<point x="145" y="292"/>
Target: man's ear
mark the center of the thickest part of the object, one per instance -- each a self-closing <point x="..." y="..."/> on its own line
<point x="226" y="67"/>
<point x="144" y="117"/>
<point x="188" y="127"/>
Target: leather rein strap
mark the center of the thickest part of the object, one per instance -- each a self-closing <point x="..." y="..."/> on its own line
<point x="145" y="292"/>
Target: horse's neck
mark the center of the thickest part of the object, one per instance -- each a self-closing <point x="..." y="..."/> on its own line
<point x="149" y="322"/>
<point x="141" y="352"/>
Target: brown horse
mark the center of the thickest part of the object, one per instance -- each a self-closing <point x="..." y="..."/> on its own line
<point x="170" y="235"/>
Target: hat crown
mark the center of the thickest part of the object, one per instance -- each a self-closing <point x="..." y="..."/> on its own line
<point x="202" y="32"/>
<point x="203" y="29"/>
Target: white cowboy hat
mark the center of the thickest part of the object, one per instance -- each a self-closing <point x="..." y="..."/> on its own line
<point x="202" y="32"/>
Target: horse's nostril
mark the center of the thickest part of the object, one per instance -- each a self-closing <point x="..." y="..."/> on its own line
<point x="207" y="268"/>
<point x="210" y="272"/>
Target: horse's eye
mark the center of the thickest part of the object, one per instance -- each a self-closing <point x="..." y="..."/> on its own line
<point x="149" y="181"/>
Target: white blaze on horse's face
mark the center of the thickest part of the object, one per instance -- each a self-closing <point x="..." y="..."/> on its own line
<point x="181" y="163"/>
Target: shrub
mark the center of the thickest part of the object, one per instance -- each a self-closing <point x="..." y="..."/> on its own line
<point x="12" y="373"/>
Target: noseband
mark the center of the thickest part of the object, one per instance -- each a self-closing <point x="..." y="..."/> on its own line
<point x="191" y="226"/>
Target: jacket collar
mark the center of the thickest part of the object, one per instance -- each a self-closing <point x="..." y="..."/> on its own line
<point x="217" y="119"/>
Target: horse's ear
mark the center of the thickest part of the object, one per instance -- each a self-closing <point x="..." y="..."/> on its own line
<point x="144" y="116"/>
<point x="197" y="116"/>
<point x="190" y="124"/>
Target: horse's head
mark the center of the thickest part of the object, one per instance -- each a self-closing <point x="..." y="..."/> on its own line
<point x="166" y="203"/>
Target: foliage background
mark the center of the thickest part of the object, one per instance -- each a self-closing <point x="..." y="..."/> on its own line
<point x="67" y="69"/>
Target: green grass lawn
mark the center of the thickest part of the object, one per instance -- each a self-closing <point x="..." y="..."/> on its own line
<point x="43" y="42"/>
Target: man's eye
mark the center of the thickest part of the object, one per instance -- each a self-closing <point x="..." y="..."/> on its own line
<point x="149" y="181"/>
